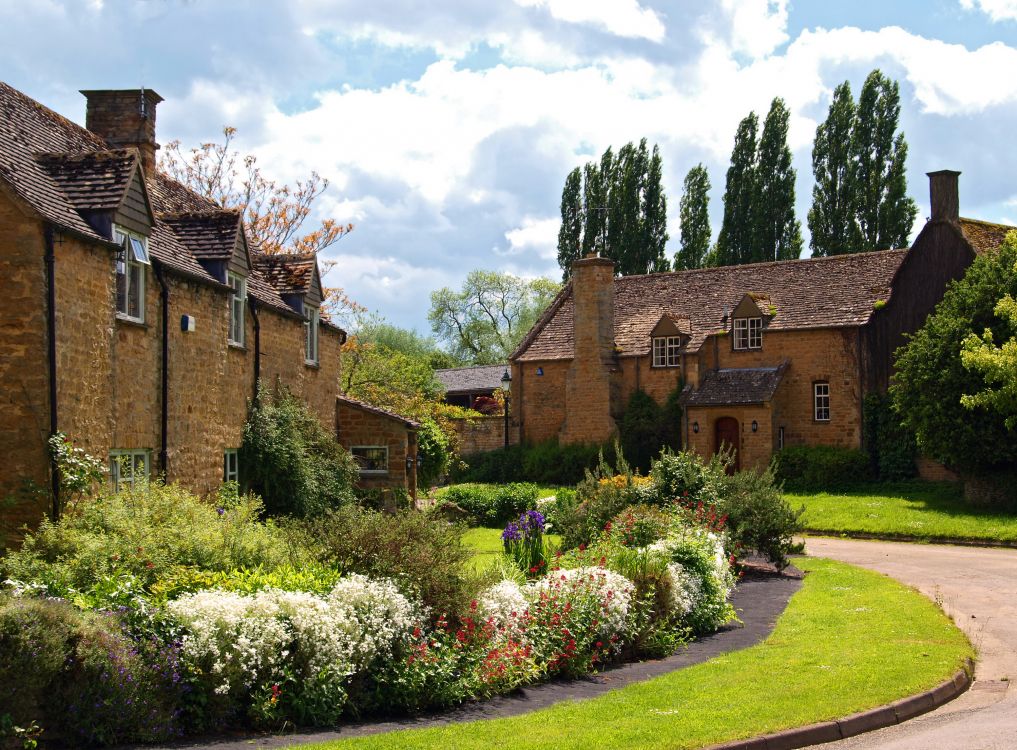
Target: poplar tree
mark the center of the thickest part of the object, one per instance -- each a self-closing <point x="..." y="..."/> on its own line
<point x="736" y="232"/>
<point x="884" y="213"/>
<point x="776" y="233"/>
<point x="654" y="232"/>
<point x="832" y="216"/>
<point x="570" y="236"/>
<point x="695" y="217"/>
<point x="624" y="208"/>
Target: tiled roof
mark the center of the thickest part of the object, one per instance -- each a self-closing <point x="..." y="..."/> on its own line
<point x="167" y="249"/>
<point x="471" y="379"/>
<point x="93" y="180"/>
<point x="265" y="293"/>
<point x="209" y="235"/>
<point x="755" y="385"/>
<point x="172" y="197"/>
<point x="834" y="292"/>
<point x="984" y="236"/>
<point x="289" y="273"/>
<point x="377" y="410"/>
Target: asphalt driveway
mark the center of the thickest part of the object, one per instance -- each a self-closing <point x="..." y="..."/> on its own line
<point x="977" y="587"/>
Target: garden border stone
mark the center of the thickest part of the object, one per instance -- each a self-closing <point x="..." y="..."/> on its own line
<point x="866" y="721"/>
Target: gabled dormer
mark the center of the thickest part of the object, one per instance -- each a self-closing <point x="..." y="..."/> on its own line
<point x="749" y="318"/>
<point x="668" y="339"/>
<point x="297" y="280"/>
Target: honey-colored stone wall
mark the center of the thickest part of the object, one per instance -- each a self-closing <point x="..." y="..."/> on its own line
<point x="538" y="400"/>
<point x="753" y="449"/>
<point x="483" y="433"/>
<point x="360" y="427"/>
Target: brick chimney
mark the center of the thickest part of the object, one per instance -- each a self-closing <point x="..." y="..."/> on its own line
<point x="125" y="118"/>
<point x="588" y="383"/>
<point x="943" y="195"/>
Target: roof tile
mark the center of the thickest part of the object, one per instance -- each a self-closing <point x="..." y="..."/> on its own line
<point x="471" y="379"/>
<point x="754" y="385"/>
<point x="984" y="236"/>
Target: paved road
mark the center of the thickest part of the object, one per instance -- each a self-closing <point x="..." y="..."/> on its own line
<point x="978" y="588"/>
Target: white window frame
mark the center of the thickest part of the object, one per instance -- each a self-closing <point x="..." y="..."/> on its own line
<point x="231" y="465"/>
<point x="821" y="401"/>
<point x="238" y="301"/>
<point x="131" y="259"/>
<point x="355" y="448"/>
<point x="748" y="333"/>
<point x="123" y="467"/>
<point x="667" y="351"/>
<point x="311" y="323"/>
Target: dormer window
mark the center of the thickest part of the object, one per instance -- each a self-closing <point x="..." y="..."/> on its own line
<point x="311" y="336"/>
<point x="238" y="300"/>
<point x="130" y="268"/>
<point x="667" y="351"/>
<point x="748" y="333"/>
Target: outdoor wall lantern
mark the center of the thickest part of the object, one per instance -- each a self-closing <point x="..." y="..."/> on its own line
<point x="695" y="427"/>
<point x="755" y="425"/>
<point x="540" y="371"/>
<point x="506" y="387"/>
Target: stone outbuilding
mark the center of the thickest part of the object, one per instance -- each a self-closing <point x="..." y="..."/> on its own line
<point x="383" y="443"/>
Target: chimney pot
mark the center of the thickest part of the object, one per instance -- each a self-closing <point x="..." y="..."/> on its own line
<point x="943" y="195"/>
<point x="125" y="118"/>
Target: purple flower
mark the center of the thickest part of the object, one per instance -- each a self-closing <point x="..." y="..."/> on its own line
<point x="511" y="533"/>
<point x="220" y="511"/>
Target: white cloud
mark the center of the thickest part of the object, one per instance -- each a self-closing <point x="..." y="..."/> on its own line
<point x="756" y="27"/>
<point x="625" y="18"/>
<point x="997" y="10"/>
<point x="534" y="235"/>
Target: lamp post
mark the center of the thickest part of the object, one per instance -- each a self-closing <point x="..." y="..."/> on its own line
<point x="506" y="389"/>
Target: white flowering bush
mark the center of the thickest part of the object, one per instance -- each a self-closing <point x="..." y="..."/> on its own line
<point x="281" y="652"/>
<point x="706" y="579"/>
<point x="502" y="603"/>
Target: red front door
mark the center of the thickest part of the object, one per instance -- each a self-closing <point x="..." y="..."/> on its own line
<point x="726" y="433"/>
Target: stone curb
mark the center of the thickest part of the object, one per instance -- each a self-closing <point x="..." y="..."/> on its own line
<point x="950" y="540"/>
<point x="866" y="721"/>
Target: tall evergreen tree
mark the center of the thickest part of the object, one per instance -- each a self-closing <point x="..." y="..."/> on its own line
<point x="654" y="229"/>
<point x="776" y="232"/>
<point x="570" y="236"/>
<point x="832" y="216"/>
<point x="735" y="240"/>
<point x="695" y="217"/>
<point x="623" y="216"/>
<point x="596" y="188"/>
<point x="885" y="214"/>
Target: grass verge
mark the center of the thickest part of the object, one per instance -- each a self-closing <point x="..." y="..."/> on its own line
<point x="487" y="545"/>
<point x="849" y="640"/>
<point x="927" y="511"/>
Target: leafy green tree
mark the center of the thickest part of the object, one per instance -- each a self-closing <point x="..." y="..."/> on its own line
<point x="484" y="321"/>
<point x="884" y="212"/>
<point x="623" y="214"/>
<point x="776" y="232"/>
<point x="435" y="452"/>
<point x="640" y="430"/>
<point x="931" y="378"/>
<point x="832" y="216"/>
<point x="570" y="236"/>
<point x="734" y="243"/>
<point x="695" y="217"/>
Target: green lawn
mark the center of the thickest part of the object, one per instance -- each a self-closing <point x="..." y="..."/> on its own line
<point x="923" y="510"/>
<point x="849" y="640"/>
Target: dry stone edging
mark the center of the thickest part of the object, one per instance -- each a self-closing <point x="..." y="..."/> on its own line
<point x="866" y="721"/>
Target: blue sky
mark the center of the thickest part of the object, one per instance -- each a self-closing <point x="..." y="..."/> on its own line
<point x="447" y="128"/>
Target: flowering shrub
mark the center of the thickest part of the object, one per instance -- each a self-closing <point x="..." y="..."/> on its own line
<point x="502" y="603"/>
<point x="708" y="578"/>
<point x="639" y="525"/>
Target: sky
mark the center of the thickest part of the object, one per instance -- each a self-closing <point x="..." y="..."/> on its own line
<point x="446" y="128"/>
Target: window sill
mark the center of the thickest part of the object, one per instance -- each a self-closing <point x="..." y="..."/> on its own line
<point x="131" y="322"/>
<point x="373" y="473"/>
<point x="312" y="365"/>
<point x="238" y="347"/>
<point x="665" y="367"/>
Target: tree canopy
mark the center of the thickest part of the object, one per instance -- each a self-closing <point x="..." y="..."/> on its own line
<point x="695" y="218"/>
<point x="776" y="233"/>
<point x="959" y="408"/>
<point x="618" y="208"/>
<point x="734" y="243"/>
<point x="482" y="323"/>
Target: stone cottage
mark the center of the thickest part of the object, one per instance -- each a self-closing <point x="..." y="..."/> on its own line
<point x="134" y="315"/>
<point x="767" y="354"/>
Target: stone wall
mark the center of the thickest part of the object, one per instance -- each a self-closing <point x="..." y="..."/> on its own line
<point x="361" y="427"/>
<point x="754" y="448"/>
<point x="483" y="433"/>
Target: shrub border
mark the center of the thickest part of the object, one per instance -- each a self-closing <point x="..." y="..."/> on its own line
<point x="867" y="721"/>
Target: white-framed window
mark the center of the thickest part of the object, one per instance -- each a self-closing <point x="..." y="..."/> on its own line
<point x="821" y="401"/>
<point x="128" y="467"/>
<point x="238" y="300"/>
<point x="371" y="459"/>
<point x="667" y="351"/>
<point x="311" y="336"/>
<point x="748" y="333"/>
<point x="132" y="258"/>
<point x="231" y="465"/>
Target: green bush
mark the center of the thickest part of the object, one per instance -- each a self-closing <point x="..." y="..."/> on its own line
<point x="758" y="517"/>
<point x="145" y="532"/>
<point x="434" y="453"/>
<point x="811" y="468"/>
<point x="891" y="446"/>
<point x="542" y="463"/>
<point x="426" y="559"/>
<point x="685" y="477"/>
<point x="493" y="505"/>
<point x="640" y="430"/>
<point x="291" y="461"/>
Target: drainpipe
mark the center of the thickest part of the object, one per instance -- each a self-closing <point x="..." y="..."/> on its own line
<point x="257" y="345"/>
<point x="51" y="354"/>
<point x="164" y="374"/>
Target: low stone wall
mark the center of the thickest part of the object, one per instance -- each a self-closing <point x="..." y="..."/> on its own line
<point x="483" y="433"/>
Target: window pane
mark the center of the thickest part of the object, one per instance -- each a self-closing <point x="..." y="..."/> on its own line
<point x="373" y="458"/>
<point x="135" y="287"/>
<point x="138" y="250"/>
<point x="121" y="286"/>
